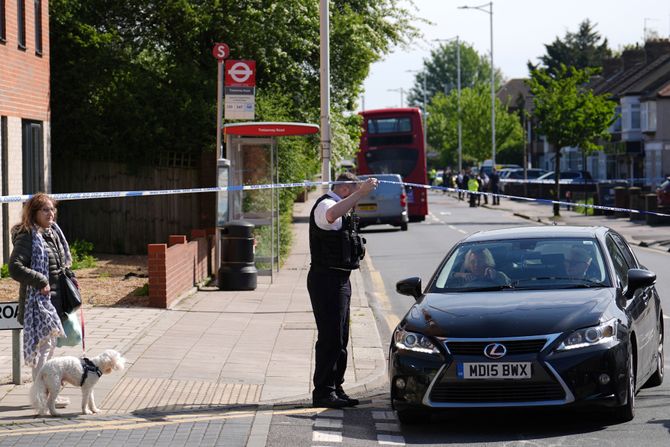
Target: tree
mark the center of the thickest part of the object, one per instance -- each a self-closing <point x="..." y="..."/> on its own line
<point x="580" y="50"/>
<point x="139" y="79"/>
<point x="569" y="114"/>
<point x="441" y="72"/>
<point x="476" y="126"/>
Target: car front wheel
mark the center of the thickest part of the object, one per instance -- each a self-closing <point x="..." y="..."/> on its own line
<point x="626" y="412"/>
<point x="657" y="378"/>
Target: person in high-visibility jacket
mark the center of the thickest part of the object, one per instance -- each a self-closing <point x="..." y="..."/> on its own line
<point x="473" y="187"/>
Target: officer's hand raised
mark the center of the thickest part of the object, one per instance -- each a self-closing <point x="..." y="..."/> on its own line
<point x="369" y="185"/>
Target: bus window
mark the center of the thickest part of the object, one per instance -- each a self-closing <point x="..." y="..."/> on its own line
<point x="389" y="125"/>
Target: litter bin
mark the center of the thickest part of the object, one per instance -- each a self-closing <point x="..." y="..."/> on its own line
<point x="238" y="270"/>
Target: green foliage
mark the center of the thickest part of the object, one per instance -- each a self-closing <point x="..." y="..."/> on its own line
<point x="580" y="50"/>
<point x="568" y="113"/>
<point x="580" y="209"/>
<point x="441" y="72"/>
<point x="476" y="126"/>
<point x="82" y="257"/>
<point x="142" y="291"/>
<point x="139" y="80"/>
<point x="4" y="271"/>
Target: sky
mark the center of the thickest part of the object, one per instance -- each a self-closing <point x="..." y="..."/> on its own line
<point x="520" y="30"/>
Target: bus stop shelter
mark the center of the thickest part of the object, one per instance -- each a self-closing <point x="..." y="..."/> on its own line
<point x="253" y="159"/>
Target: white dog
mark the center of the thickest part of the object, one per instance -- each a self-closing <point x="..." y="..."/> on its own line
<point x="76" y="371"/>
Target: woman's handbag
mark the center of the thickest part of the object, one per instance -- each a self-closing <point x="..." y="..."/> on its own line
<point x="70" y="296"/>
<point x="73" y="331"/>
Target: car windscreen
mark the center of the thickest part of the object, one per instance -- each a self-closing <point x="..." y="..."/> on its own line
<point x="539" y="264"/>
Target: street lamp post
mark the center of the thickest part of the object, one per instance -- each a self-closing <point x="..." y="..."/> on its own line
<point x="425" y="110"/>
<point x="493" y="92"/>
<point x="324" y="71"/>
<point x="402" y="94"/>
<point x="458" y="75"/>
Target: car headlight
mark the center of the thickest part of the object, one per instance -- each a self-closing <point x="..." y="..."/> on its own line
<point x="590" y="336"/>
<point x="413" y="341"/>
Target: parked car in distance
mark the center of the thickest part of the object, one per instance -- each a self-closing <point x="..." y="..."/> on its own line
<point x="531" y="173"/>
<point x="568" y="177"/>
<point x="559" y="316"/>
<point x="385" y="205"/>
<point x="487" y="167"/>
<point x="663" y="193"/>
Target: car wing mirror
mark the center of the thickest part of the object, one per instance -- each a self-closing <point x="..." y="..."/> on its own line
<point x="409" y="286"/>
<point x="638" y="279"/>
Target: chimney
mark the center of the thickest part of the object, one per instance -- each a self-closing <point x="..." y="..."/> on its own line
<point x="656" y="48"/>
<point x="632" y="57"/>
<point x="611" y="65"/>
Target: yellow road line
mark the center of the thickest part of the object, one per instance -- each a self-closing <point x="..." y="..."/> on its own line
<point x="380" y="291"/>
<point x="136" y="423"/>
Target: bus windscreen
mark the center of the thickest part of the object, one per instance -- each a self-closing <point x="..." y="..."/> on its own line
<point x="389" y="125"/>
<point x="392" y="160"/>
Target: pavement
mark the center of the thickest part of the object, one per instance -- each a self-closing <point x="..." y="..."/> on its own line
<point x="215" y="351"/>
<point x="227" y="358"/>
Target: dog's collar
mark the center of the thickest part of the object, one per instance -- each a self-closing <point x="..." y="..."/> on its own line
<point x="88" y="366"/>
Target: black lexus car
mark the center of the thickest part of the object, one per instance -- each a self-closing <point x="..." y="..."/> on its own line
<point x="537" y="316"/>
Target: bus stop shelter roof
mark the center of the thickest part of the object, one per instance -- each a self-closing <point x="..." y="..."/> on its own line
<point x="253" y="129"/>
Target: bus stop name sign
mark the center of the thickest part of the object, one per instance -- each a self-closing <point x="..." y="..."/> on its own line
<point x="8" y="313"/>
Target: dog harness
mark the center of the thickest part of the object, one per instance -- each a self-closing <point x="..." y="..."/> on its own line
<point x="88" y="366"/>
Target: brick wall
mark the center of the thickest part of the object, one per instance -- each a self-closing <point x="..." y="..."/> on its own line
<point x="24" y="75"/>
<point x="176" y="267"/>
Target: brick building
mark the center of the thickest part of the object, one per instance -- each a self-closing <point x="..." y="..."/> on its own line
<point x="25" y="153"/>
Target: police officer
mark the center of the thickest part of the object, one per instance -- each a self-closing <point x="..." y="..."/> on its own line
<point x="336" y="250"/>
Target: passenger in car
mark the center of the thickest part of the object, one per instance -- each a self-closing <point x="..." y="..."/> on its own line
<point x="577" y="262"/>
<point x="479" y="265"/>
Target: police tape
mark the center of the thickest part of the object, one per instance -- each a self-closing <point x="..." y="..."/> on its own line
<point x="530" y="199"/>
<point x="303" y="184"/>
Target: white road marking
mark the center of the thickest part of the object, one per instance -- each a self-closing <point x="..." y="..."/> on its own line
<point x="383" y="416"/>
<point x="387" y="426"/>
<point x="327" y="423"/>
<point x="331" y="413"/>
<point x="462" y="231"/>
<point x="390" y="440"/>
<point x="666" y="317"/>
<point x="445" y="213"/>
<point x="326" y="436"/>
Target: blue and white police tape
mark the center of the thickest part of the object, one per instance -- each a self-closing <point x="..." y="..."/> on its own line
<point x="162" y="192"/>
<point x="529" y="199"/>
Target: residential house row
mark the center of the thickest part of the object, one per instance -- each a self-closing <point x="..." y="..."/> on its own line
<point x="639" y="146"/>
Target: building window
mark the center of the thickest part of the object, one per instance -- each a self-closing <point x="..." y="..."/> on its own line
<point x="21" y="17"/>
<point x="3" y="23"/>
<point x="648" y="116"/>
<point x="33" y="157"/>
<point x="635" y="116"/>
<point x="38" y="27"/>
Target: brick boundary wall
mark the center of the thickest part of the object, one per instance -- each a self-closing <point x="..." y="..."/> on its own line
<point x="177" y="267"/>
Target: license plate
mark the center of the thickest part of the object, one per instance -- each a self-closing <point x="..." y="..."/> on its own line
<point x="508" y="370"/>
<point x="367" y="207"/>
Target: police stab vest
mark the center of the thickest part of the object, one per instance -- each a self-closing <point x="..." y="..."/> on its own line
<point x="340" y="249"/>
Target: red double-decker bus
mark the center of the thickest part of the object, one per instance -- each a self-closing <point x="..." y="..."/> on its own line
<point x="392" y="143"/>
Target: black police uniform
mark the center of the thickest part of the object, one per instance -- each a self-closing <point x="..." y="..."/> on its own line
<point x="335" y="253"/>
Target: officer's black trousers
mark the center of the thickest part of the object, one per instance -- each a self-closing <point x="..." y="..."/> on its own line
<point x="330" y="294"/>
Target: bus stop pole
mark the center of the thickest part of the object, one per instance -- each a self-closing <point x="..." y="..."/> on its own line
<point x="16" y="356"/>
<point x="325" y="92"/>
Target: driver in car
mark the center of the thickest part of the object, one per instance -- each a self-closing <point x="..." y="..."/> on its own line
<point x="577" y="263"/>
<point x="479" y="265"/>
